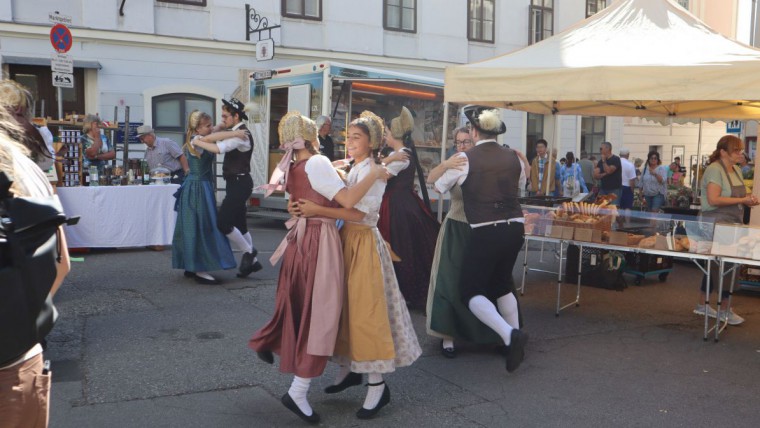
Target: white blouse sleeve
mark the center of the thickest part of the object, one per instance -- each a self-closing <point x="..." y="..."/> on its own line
<point x="323" y="177"/>
<point x="395" y="167"/>
<point x="452" y="176"/>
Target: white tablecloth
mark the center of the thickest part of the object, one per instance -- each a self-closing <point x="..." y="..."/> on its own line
<point x="119" y="216"/>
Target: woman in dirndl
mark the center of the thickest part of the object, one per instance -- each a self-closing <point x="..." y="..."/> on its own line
<point x="376" y="334"/>
<point x="310" y="289"/>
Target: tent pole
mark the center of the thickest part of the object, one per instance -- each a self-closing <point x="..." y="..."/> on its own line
<point x="444" y="139"/>
<point x="698" y="189"/>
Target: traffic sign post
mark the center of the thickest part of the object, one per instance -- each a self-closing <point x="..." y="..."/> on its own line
<point x="61" y="64"/>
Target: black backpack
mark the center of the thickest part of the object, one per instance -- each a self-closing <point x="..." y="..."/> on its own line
<point x="30" y="249"/>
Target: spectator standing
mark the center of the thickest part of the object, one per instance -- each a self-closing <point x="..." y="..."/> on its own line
<point x="163" y="152"/>
<point x="628" y="172"/>
<point x="326" y="144"/>
<point x="609" y="172"/>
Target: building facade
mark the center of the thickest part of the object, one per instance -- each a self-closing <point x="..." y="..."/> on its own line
<point x="163" y="58"/>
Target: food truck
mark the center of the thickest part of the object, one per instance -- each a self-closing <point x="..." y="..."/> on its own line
<point x="340" y="91"/>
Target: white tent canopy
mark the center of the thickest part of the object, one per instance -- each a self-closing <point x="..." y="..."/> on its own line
<point x="646" y="58"/>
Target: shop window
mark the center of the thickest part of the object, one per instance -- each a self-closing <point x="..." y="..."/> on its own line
<point x="480" y="20"/>
<point x="302" y="9"/>
<point x="170" y="113"/>
<point x="535" y="132"/>
<point x="39" y="80"/>
<point x="541" y="25"/>
<point x="191" y="2"/>
<point x="593" y="132"/>
<point x="400" y="15"/>
<point x="594" y="6"/>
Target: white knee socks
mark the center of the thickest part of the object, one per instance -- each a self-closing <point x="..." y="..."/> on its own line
<point x="248" y="239"/>
<point x="486" y="312"/>
<point x="507" y="305"/>
<point x="374" y="393"/>
<point x="298" y="390"/>
<point x="238" y="242"/>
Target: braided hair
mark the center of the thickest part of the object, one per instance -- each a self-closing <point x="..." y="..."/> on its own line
<point x="193" y="122"/>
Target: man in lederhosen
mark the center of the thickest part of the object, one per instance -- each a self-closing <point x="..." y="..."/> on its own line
<point x="490" y="189"/>
<point x="236" y="171"/>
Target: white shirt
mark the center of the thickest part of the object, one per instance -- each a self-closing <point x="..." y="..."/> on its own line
<point x="323" y="177"/>
<point x="628" y="172"/>
<point x="370" y="203"/>
<point x="230" y="144"/>
<point x="458" y="176"/>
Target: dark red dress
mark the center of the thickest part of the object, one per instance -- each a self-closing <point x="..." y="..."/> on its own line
<point x="287" y="333"/>
<point x="409" y="226"/>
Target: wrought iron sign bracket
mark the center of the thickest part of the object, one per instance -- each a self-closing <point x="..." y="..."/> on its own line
<point x="255" y="23"/>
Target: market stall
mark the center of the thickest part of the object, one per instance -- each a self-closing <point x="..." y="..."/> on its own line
<point x="642" y="58"/>
<point x="119" y="216"/>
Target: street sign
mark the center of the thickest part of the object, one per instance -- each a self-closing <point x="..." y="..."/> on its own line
<point x="63" y="80"/>
<point x="62" y="63"/>
<point x="263" y="74"/>
<point x="734" y="127"/>
<point x="61" y="38"/>
<point x="57" y="18"/>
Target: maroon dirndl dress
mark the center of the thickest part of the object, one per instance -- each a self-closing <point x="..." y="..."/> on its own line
<point x="287" y="333"/>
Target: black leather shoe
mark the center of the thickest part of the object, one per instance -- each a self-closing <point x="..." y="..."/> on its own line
<point x="449" y="352"/>
<point x="202" y="280"/>
<point x="247" y="264"/>
<point x="516" y="354"/>
<point x="385" y="399"/>
<point x="189" y="274"/>
<point x="352" y="379"/>
<point x="265" y="356"/>
<point x="288" y="402"/>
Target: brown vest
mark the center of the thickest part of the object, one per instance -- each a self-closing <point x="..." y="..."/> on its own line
<point x="490" y="190"/>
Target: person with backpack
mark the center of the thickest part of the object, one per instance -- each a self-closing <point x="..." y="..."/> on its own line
<point x="24" y="379"/>
<point x="571" y="176"/>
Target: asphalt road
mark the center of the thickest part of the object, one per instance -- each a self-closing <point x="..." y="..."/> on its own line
<point x="139" y="345"/>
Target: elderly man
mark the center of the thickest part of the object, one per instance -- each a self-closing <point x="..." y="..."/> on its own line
<point x="164" y="152"/>
<point x="326" y="145"/>
<point x="489" y="182"/>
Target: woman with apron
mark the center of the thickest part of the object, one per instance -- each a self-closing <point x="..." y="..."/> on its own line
<point x="723" y="200"/>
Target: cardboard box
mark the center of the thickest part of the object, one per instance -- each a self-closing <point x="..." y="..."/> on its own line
<point x="554" y="231"/>
<point x="619" y="238"/>
<point x="567" y="232"/>
<point x="586" y="235"/>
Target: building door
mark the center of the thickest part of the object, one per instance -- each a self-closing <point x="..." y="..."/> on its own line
<point x="39" y="80"/>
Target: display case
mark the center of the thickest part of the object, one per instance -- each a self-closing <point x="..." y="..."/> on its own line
<point x="604" y="224"/>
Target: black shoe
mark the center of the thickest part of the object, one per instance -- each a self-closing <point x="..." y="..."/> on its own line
<point x="385" y="399"/>
<point x="247" y="264"/>
<point x="449" y="352"/>
<point x="516" y="354"/>
<point x="352" y="379"/>
<point x="265" y="356"/>
<point x="202" y="280"/>
<point x="189" y="274"/>
<point x="288" y="402"/>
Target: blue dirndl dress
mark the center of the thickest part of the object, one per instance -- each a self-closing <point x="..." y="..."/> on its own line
<point x="198" y="246"/>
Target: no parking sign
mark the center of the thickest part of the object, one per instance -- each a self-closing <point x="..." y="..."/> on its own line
<point x="61" y="38"/>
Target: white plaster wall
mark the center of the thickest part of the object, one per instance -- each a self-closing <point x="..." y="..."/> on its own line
<point x="36" y="11"/>
<point x="639" y="134"/>
<point x="6" y="11"/>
